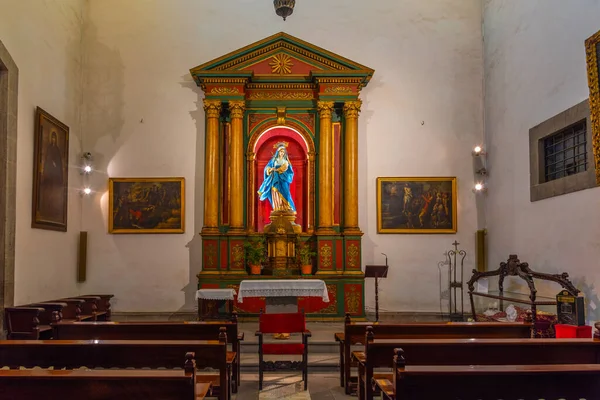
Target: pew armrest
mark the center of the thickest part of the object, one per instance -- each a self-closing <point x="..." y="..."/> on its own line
<point x="359" y="356"/>
<point x="240" y="336"/>
<point x="386" y="387"/>
<point x="339" y="337"/>
<point x="231" y="356"/>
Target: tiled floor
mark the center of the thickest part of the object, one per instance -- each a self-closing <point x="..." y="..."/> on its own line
<point x="281" y="386"/>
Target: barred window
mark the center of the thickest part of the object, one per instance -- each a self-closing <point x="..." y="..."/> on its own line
<point x="565" y="152"/>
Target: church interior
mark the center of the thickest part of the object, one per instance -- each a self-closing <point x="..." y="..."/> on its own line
<point x="299" y="199"/>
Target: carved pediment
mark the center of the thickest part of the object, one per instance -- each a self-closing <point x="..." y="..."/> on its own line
<point x="282" y="59"/>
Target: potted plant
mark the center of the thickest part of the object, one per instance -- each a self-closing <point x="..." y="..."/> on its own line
<point x="255" y="251"/>
<point x="305" y="256"/>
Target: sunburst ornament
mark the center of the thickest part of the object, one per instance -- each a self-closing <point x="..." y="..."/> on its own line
<point x="281" y="64"/>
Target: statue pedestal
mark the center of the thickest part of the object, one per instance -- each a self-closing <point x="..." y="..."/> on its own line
<point x="282" y="235"/>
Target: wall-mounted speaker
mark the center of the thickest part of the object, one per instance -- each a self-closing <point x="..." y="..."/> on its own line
<point x="481" y="245"/>
<point x="82" y="257"/>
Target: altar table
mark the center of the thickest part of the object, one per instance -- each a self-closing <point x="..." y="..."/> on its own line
<point x="215" y="303"/>
<point x="281" y="295"/>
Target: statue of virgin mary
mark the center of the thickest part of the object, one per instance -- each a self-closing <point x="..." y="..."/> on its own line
<point x="278" y="177"/>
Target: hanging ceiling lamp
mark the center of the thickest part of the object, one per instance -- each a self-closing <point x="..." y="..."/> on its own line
<point x="284" y="8"/>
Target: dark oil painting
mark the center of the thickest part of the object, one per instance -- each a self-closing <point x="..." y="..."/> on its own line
<point x="416" y="205"/>
<point x="146" y="205"/>
<point x="50" y="173"/>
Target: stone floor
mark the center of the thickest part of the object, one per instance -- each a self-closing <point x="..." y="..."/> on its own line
<point x="282" y="386"/>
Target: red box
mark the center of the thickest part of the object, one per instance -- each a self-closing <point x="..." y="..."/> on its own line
<point x="572" y="331"/>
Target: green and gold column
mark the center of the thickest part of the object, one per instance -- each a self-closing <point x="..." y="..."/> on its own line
<point x="236" y="113"/>
<point x="325" y="168"/>
<point x="351" y="110"/>
<point x="212" y="109"/>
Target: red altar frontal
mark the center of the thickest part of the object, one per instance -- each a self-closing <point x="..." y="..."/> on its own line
<point x="281" y="171"/>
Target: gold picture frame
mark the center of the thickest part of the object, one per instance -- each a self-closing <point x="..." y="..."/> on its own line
<point x="592" y="49"/>
<point x="416" y="205"/>
<point x="146" y="205"/>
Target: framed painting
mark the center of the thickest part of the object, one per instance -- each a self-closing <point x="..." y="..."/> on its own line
<point x="50" y="173"/>
<point x="592" y="49"/>
<point x="146" y="205"/>
<point x="416" y="205"/>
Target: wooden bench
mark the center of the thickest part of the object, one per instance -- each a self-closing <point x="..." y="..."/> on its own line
<point x="558" y="381"/>
<point x="32" y="321"/>
<point x="354" y="333"/>
<point x="104" y="384"/>
<point x="154" y="330"/>
<point x="381" y="354"/>
<point x="153" y="354"/>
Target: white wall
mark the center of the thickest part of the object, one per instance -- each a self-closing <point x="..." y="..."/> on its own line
<point x="535" y="68"/>
<point x="421" y="114"/>
<point x="43" y="38"/>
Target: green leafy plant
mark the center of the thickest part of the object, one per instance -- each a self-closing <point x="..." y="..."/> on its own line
<point x="305" y="254"/>
<point x="255" y="250"/>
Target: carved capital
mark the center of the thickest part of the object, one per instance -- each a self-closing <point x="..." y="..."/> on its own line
<point x="212" y="108"/>
<point x="236" y="108"/>
<point x="325" y="108"/>
<point x="352" y="108"/>
<point x="250" y="156"/>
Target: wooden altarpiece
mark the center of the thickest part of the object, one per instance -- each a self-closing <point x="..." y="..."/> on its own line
<point x="283" y="90"/>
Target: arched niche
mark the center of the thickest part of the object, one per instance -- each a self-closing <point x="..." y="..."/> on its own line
<point x="300" y="148"/>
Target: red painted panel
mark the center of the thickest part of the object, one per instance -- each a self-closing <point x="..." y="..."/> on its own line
<point x="297" y="155"/>
<point x="236" y="255"/>
<point x="316" y="304"/>
<point x="353" y="299"/>
<point x="210" y="254"/>
<point x="297" y="67"/>
<point x="325" y="254"/>
<point x="250" y="304"/>
<point x="339" y="255"/>
<point x="337" y="173"/>
<point x="209" y="286"/>
<point x="353" y="256"/>
<point x="224" y="258"/>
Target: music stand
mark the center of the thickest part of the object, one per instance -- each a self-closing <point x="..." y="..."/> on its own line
<point x="376" y="271"/>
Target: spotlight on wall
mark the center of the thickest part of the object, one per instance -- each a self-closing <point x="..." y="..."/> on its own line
<point x="85" y="191"/>
<point x="478" y="151"/>
<point x="86" y="167"/>
<point x="479" y="188"/>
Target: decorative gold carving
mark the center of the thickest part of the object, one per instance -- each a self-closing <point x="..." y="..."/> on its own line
<point x="281" y="64"/>
<point x="281" y="116"/>
<point x="352" y="108"/>
<point x="211" y="256"/>
<point x="236" y="108"/>
<point x="284" y="144"/>
<point x="352" y="256"/>
<point x="326" y="253"/>
<point x="341" y="90"/>
<point x="341" y="80"/>
<point x="281" y="96"/>
<point x="308" y="119"/>
<point x="352" y="297"/>
<point x="255" y="119"/>
<point x="224" y="90"/>
<point x="281" y="86"/>
<point x="325" y="108"/>
<point x="237" y="255"/>
<point x="333" y="301"/>
<point x="212" y="108"/>
<point x="591" y="47"/>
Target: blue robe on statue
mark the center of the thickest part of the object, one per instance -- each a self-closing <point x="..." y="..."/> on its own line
<point x="280" y="181"/>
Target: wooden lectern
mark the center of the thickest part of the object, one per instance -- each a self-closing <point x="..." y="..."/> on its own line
<point x="377" y="271"/>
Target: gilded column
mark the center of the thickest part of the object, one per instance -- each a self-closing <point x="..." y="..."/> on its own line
<point x="351" y="110"/>
<point x="236" y="113"/>
<point x="325" y="168"/>
<point x="212" y="109"/>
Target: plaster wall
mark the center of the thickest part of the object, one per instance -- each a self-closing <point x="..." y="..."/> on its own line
<point x="534" y="69"/>
<point x="421" y="114"/>
<point x="43" y="38"/>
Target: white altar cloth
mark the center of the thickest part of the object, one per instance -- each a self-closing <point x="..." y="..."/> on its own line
<point x="215" y="294"/>
<point x="283" y="288"/>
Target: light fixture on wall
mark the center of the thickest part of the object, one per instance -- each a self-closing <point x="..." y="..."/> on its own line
<point x="478" y="151"/>
<point x="479" y="188"/>
<point x="86" y="164"/>
<point x="87" y="190"/>
<point x="284" y="8"/>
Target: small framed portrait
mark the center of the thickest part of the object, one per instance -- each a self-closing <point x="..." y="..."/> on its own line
<point x="416" y="205"/>
<point x="50" y="173"/>
<point x="146" y="205"/>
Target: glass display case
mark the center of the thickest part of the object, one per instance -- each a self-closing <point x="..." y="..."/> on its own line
<point x="498" y="305"/>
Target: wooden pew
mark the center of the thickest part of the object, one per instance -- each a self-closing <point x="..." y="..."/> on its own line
<point x="354" y="333"/>
<point x="72" y="354"/>
<point x="381" y="353"/>
<point x="24" y="323"/>
<point x="558" y="381"/>
<point x="154" y="330"/>
<point x="102" y="384"/>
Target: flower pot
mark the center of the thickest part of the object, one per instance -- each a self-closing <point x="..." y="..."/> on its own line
<point x="255" y="269"/>
<point x="306" y="269"/>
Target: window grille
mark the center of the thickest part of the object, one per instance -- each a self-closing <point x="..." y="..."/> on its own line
<point x="565" y="152"/>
